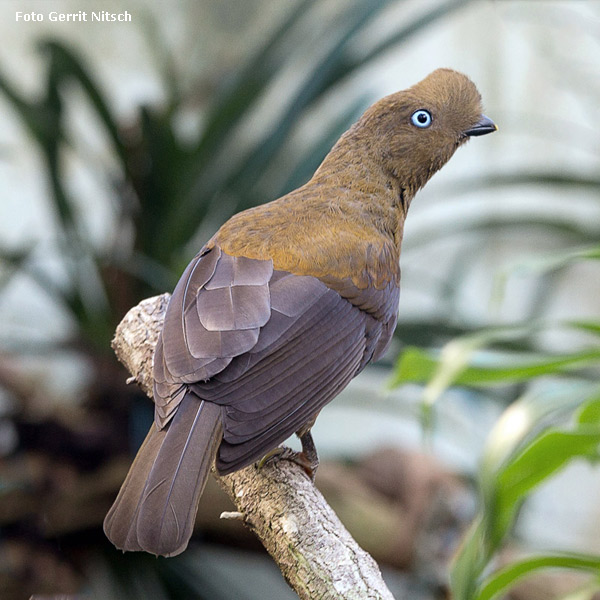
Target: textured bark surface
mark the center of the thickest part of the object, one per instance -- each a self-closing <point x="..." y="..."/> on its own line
<point x="314" y="551"/>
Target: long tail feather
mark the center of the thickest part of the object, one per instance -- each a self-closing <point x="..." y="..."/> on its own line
<point x="156" y="507"/>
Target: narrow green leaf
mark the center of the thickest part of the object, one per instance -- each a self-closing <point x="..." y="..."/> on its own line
<point x="507" y="577"/>
<point x="542" y="458"/>
<point x="554" y="261"/>
<point x="521" y="420"/>
<point x="589" y="414"/>
<point x="353" y="60"/>
<point x="469" y="562"/>
<point x="453" y="368"/>
<point x="321" y="78"/>
<point x="486" y="224"/>
<point x="35" y="115"/>
<point x="66" y="65"/>
<point x="415" y="366"/>
<point x="313" y="157"/>
<point x="541" y="265"/>
<point x="518" y="455"/>
<point x="527" y="371"/>
<point x="440" y="11"/>
<point x="13" y="262"/>
<point x="248" y="83"/>
<point x="589" y="326"/>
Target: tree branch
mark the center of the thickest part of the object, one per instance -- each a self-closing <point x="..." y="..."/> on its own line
<point x="314" y="551"/>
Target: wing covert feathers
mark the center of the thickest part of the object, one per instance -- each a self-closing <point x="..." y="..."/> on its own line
<point x="215" y="314"/>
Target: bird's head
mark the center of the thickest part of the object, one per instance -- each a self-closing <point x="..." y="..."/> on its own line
<point x="413" y="133"/>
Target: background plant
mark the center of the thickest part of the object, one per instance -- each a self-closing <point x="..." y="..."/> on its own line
<point x="554" y="421"/>
<point x="169" y="189"/>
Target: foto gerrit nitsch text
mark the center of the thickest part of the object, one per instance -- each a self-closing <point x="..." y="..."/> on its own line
<point x="76" y="17"/>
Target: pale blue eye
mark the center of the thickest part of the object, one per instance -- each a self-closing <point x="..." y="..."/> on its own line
<point x="421" y="118"/>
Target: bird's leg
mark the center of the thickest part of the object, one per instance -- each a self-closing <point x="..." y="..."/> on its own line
<point x="308" y="458"/>
<point x="309" y="452"/>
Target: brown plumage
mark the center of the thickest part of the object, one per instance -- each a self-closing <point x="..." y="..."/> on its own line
<point x="283" y="307"/>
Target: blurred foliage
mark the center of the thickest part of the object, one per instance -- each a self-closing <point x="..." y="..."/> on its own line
<point x="555" y="421"/>
<point x="170" y="190"/>
<point x="169" y="185"/>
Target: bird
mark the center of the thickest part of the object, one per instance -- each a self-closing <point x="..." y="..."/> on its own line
<point x="283" y="306"/>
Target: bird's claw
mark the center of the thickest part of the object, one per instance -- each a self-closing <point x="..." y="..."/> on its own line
<point x="285" y="453"/>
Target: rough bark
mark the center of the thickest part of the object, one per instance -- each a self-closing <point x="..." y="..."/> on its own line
<point x="314" y="551"/>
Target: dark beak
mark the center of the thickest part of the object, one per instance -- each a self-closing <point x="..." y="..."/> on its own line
<point x="483" y="126"/>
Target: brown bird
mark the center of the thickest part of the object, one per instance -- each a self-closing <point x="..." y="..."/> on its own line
<point x="283" y="307"/>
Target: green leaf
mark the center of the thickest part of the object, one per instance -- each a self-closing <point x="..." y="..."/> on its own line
<point x="545" y="456"/>
<point x="507" y="577"/>
<point x="589" y="326"/>
<point x="519" y="454"/>
<point x="540" y="265"/>
<point x="528" y="370"/>
<point x="521" y="421"/>
<point x="248" y="83"/>
<point x="589" y="414"/>
<point x="455" y="364"/>
<point x="556" y="260"/>
<point x="454" y="359"/>
<point x="67" y="66"/>
<point x="468" y="563"/>
<point x="439" y="11"/>
<point x="13" y="262"/>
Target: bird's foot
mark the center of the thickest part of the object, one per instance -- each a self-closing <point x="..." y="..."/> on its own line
<point x="307" y="458"/>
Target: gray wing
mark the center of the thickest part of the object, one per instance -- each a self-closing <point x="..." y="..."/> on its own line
<point x="271" y="348"/>
<point x="215" y="314"/>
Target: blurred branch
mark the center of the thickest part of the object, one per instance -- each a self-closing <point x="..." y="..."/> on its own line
<point x="315" y="552"/>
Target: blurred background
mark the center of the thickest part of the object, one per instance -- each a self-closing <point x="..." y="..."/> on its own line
<point x="123" y="147"/>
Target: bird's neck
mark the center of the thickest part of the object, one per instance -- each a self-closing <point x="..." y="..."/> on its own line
<point x="358" y="180"/>
<point x="347" y="221"/>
